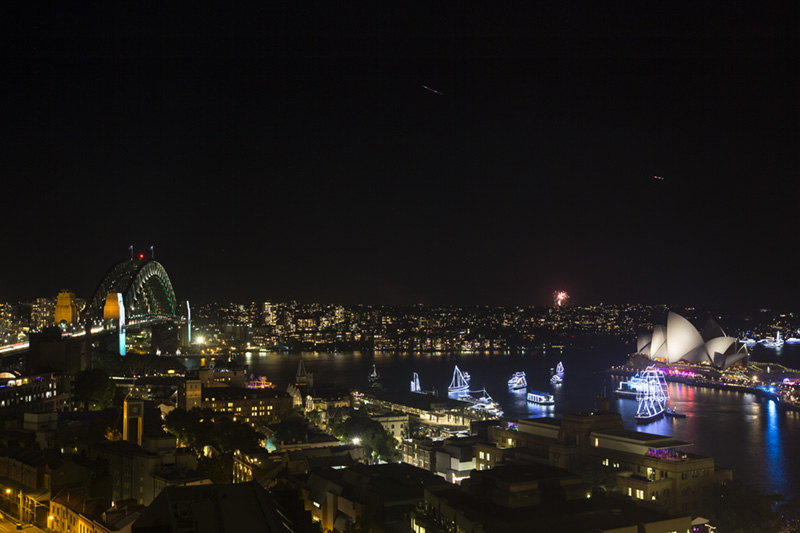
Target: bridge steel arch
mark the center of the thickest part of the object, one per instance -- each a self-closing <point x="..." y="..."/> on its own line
<point x="146" y="290"/>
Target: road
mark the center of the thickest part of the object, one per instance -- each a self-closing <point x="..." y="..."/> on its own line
<point x="11" y="525"/>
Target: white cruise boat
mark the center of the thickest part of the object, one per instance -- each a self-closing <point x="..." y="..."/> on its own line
<point x="542" y="398"/>
<point x="772" y="342"/>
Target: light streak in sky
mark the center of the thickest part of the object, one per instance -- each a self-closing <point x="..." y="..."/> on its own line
<point x="432" y="90"/>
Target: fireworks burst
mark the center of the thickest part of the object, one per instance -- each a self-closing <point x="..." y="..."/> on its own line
<point x="560" y="298"/>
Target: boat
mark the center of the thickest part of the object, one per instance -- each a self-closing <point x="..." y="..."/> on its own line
<point x="669" y="411"/>
<point x="747" y="341"/>
<point x="627" y="389"/>
<point x="482" y="403"/>
<point x="460" y="381"/>
<point x="652" y="395"/>
<point x="415" y="387"/>
<point x="772" y="342"/>
<point x="260" y="383"/>
<point x="542" y="398"/>
<point x="374" y="378"/>
<point x="558" y="376"/>
<point x="792" y="340"/>
<point x="518" y="381"/>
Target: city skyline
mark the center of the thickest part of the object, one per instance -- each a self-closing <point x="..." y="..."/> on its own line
<point x="480" y="157"/>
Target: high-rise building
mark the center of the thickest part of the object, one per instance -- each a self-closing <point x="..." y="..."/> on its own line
<point x="42" y="313"/>
<point x="269" y="314"/>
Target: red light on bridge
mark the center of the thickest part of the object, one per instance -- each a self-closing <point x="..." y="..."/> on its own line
<point x="141" y="256"/>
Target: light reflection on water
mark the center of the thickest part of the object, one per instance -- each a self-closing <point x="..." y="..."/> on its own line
<point x="750" y="434"/>
<point x="741" y="431"/>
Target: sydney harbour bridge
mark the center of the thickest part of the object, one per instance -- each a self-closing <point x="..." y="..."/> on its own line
<point x="137" y="294"/>
<point x="133" y="295"/>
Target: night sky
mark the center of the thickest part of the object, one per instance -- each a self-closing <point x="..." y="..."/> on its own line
<point x="293" y="152"/>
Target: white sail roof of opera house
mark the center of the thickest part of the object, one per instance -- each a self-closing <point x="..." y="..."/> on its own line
<point x="679" y="340"/>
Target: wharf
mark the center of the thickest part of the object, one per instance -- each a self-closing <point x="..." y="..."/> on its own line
<point x="701" y="379"/>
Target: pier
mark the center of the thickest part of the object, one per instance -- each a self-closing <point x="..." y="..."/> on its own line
<point x="766" y="380"/>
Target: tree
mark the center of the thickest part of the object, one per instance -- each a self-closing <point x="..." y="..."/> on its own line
<point x="291" y="429"/>
<point x="113" y="434"/>
<point x="371" y="435"/>
<point x="739" y="508"/>
<point x="93" y="387"/>
<point x="193" y="428"/>
<point x="218" y="469"/>
<point x="232" y="435"/>
<point x="198" y="427"/>
<point x="600" y="476"/>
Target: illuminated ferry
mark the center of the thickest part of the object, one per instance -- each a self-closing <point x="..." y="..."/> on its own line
<point x="518" y="381"/>
<point x="772" y="342"/>
<point x="542" y="398"/>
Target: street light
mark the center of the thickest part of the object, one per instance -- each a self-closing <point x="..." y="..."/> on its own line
<point x="19" y="513"/>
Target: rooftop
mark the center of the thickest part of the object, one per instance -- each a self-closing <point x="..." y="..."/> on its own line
<point x="645" y="439"/>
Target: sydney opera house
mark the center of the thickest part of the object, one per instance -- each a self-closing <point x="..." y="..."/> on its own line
<point x="679" y="341"/>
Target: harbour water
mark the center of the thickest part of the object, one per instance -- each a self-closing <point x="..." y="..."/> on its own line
<point x="752" y="435"/>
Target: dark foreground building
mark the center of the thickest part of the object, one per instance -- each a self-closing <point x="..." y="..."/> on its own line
<point x="230" y="508"/>
<point x="535" y="497"/>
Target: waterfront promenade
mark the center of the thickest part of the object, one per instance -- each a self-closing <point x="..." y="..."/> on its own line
<point x="766" y="380"/>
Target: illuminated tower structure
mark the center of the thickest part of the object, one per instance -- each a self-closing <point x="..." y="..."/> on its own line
<point x="185" y="330"/>
<point x="133" y="420"/>
<point x="114" y="311"/>
<point x="66" y="308"/>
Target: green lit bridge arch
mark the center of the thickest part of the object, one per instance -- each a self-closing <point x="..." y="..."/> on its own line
<point x="146" y="291"/>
